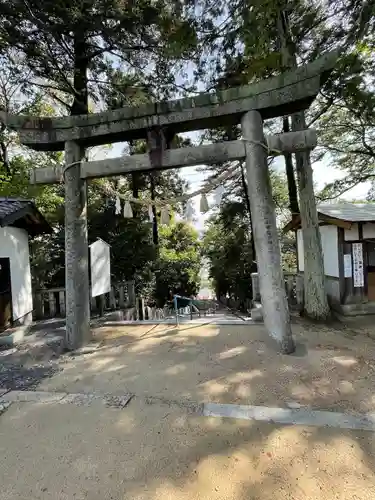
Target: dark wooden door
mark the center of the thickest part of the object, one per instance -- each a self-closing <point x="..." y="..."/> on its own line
<point x="5" y="294"/>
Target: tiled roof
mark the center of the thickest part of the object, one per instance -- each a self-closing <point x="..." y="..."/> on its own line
<point x="352" y="212"/>
<point x="9" y="206"/>
<point x="23" y="214"/>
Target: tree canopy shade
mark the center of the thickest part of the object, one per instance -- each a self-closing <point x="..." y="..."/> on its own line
<point x="177" y="270"/>
<point x="227" y="243"/>
<point x="90" y="55"/>
<point x="263" y="38"/>
<point x="69" y="46"/>
<point x="228" y="249"/>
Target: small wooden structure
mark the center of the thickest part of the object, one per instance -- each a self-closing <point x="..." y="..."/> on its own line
<point x="348" y="243"/>
<point x="19" y="219"/>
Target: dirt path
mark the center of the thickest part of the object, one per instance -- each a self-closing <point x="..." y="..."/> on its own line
<point x="159" y="446"/>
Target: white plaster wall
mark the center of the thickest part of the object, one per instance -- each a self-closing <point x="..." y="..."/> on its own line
<point x="368" y="230"/>
<point x="14" y="243"/>
<point x="352" y="233"/>
<point x="329" y="247"/>
<point x="330" y="250"/>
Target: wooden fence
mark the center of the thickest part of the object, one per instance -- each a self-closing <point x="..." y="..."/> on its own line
<point x="293" y="287"/>
<point x="50" y="303"/>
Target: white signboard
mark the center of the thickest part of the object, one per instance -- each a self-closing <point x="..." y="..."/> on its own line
<point x="358" y="280"/>
<point x="347" y="265"/>
<point x="100" y="260"/>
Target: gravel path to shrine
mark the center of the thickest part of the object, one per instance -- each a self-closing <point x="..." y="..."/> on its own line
<point x="133" y="419"/>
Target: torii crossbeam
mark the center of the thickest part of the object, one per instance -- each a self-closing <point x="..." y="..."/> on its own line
<point x="282" y="95"/>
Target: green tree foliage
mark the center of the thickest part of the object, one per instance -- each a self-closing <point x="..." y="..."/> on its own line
<point x="227" y="246"/>
<point x="70" y="45"/>
<point x="110" y="53"/>
<point x="347" y="128"/>
<point x="73" y="51"/>
<point x="16" y="162"/>
<point x="174" y="267"/>
<point x="178" y="267"/>
<point x="262" y="38"/>
<point x="251" y="49"/>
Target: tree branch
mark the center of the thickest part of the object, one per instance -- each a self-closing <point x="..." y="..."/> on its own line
<point x="322" y="111"/>
<point x="348" y="188"/>
<point x="349" y="151"/>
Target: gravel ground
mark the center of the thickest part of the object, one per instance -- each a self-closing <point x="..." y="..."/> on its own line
<point x="18" y="377"/>
<point x="23" y="367"/>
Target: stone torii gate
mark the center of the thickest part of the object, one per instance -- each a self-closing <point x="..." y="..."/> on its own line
<point x="250" y="105"/>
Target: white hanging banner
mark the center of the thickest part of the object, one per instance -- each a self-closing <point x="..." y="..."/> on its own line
<point x="348" y="265"/>
<point x="128" y="212"/>
<point x="189" y="211"/>
<point x="150" y="213"/>
<point x="100" y="263"/>
<point x="118" y="205"/>
<point x="358" y="279"/>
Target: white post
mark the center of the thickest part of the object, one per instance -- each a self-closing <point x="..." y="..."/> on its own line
<point x="271" y="279"/>
<point x="76" y="250"/>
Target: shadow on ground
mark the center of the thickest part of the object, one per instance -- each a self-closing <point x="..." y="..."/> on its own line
<point x="157" y="448"/>
<point x="227" y="364"/>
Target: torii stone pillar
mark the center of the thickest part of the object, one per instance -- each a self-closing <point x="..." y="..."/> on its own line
<point x="272" y="288"/>
<point x="76" y="250"/>
<point x="281" y="95"/>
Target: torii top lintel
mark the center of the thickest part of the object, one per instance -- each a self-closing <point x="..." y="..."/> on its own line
<point x="284" y="94"/>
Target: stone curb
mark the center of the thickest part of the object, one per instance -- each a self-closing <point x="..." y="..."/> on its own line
<point x="15" y="337"/>
<point x="78" y="399"/>
<point x="4" y="405"/>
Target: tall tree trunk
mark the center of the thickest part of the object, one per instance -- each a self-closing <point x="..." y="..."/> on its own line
<point x="76" y="243"/>
<point x="292" y="186"/>
<point x="4" y="157"/>
<point x="316" y="301"/>
<point x="155" y="233"/>
<point x="80" y="102"/>
<point x="252" y="242"/>
<point x="135" y="186"/>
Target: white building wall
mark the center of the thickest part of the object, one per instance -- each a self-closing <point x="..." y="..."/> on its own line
<point x="14" y="244"/>
<point x="330" y="250"/>
<point x="352" y="233"/>
<point x="368" y="230"/>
